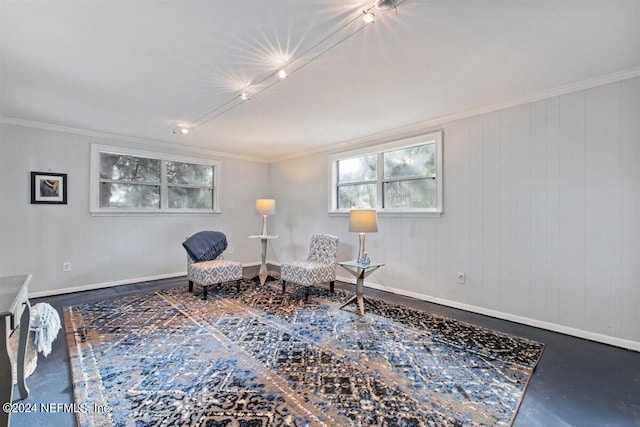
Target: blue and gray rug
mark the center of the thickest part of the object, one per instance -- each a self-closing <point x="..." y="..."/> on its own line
<point x="260" y="358"/>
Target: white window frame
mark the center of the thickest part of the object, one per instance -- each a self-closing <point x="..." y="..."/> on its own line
<point x="94" y="190"/>
<point x="379" y="149"/>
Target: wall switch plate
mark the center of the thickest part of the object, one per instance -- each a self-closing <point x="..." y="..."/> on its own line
<point x="460" y="278"/>
<point x="66" y="266"/>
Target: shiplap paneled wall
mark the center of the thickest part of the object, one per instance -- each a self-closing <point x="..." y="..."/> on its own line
<point x="106" y="250"/>
<point x="541" y="213"/>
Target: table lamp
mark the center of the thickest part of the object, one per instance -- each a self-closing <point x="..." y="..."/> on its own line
<point x="363" y="221"/>
<point x="265" y="207"/>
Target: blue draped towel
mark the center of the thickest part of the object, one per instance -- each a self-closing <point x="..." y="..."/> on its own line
<point x="205" y="245"/>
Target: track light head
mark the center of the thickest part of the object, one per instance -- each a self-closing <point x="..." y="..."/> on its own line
<point x="368" y="17"/>
<point x="180" y="129"/>
<point x="385" y="4"/>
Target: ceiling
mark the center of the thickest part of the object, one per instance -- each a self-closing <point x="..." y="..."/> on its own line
<point x="136" y="68"/>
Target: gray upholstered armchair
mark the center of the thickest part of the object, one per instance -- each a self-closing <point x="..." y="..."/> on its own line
<point x="319" y="267"/>
<point x="213" y="272"/>
<point x="211" y="268"/>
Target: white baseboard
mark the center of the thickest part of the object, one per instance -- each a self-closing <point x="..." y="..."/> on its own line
<point x="253" y="264"/>
<point x="104" y="285"/>
<point x="592" y="336"/>
<point x="131" y="281"/>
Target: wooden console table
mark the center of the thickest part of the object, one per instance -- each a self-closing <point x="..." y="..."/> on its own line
<point x="15" y="311"/>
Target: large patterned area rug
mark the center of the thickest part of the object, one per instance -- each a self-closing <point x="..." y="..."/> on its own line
<point x="261" y="358"/>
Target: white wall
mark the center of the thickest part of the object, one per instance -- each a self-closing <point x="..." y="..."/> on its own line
<point x="37" y="239"/>
<point x="542" y="213"/>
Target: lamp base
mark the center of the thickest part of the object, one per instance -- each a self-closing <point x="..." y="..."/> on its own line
<point x="361" y="249"/>
<point x="264" y="225"/>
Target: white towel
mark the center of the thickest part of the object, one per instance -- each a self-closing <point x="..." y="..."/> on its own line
<point x="45" y="322"/>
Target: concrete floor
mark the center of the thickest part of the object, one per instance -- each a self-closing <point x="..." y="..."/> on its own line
<point x="577" y="382"/>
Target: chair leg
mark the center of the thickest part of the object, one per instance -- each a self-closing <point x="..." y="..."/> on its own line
<point x="284" y="284"/>
<point x="332" y="285"/>
<point x="306" y="293"/>
<point x="190" y="285"/>
<point x="238" y="285"/>
<point x="205" y="292"/>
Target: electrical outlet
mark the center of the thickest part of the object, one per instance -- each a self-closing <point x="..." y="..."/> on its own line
<point x="230" y="250"/>
<point x="66" y="266"/>
<point x="460" y="278"/>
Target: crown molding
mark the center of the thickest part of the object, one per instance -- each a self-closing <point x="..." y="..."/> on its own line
<point x="147" y="143"/>
<point x="428" y="125"/>
<point x="401" y="132"/>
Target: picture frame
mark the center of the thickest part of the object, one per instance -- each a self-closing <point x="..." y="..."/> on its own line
<point x="48" y="188"/>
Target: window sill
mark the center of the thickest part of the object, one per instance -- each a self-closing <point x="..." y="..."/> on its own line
<point x="399" y="213"/>
<point x="152" y="213"/>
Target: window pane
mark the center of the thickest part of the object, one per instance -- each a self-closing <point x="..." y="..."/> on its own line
<point x="357" y="169"/>
<point x="412" y="161"/>
<point x="419" y="193"/>
<point x="189" y="173"/>
<point x="357" y="196"/>
<point x="129" y="196"/>
<point x="190" y="198"/>
<point x="129" y="168"/>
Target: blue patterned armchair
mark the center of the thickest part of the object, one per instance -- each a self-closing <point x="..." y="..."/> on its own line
<point x="319" y="267"/>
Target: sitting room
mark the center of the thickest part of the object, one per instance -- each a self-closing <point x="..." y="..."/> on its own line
<point x="320" y="213"/>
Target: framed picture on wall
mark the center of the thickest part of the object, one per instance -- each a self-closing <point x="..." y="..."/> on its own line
<point x="49" y="188"/>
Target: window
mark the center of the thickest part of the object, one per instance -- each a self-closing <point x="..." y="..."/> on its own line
<point x="402" y="176"/>
<point x="125" y="180"/>
<point x="190" y="185"/>
<point x="357" y="179"/>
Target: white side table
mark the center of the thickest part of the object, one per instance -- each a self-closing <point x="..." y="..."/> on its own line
<point x="359" y="271"/>
<point x="263" y="274"/>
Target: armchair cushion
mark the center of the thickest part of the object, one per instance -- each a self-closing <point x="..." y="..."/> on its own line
<point x="307" y="273"/>
<point x="213" y="272"/>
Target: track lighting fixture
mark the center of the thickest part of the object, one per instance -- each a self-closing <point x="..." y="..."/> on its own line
<point x="180" y="129"/>
<point x="385" y="4"/>
<point x="368" y="17"/>
<point x="293" y="64"/>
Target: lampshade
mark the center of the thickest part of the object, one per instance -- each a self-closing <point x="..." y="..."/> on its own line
<point x="363" y="221"/>
<point x="265" y="207"/>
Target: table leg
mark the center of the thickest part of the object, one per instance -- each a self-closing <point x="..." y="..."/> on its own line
<point x="22" y="349"/>
<point x="6" y="377"/>
<point x="360" y="291"/>
<point x="361" y="305"/>
<point x="263" y="275"/>
<point x="359" y="274"/>
<point x="263" y="266"/>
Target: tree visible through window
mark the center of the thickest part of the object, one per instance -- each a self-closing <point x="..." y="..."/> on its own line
<point x="357" y="182"/>
<point x="410" y="177"/>
<point x="131" y="181"/>
<point x="403" y="175"/>
<point x="190" y="185"/>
